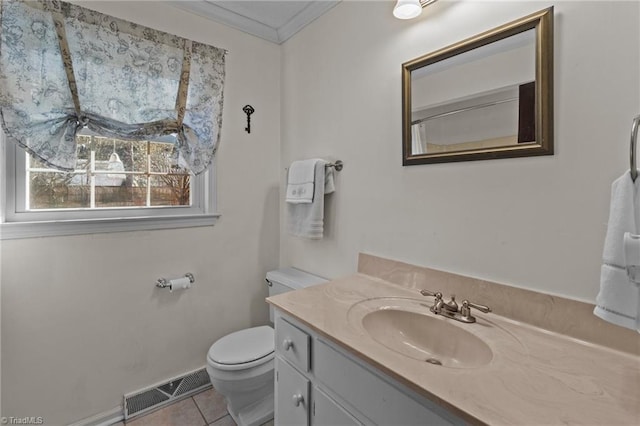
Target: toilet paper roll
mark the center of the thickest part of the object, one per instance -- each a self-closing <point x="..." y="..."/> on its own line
<point x="179" y="284"/>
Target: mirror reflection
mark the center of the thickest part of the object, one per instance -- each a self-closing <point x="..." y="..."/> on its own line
<point x="491" y="103"/>
<point x="486" y="97"/>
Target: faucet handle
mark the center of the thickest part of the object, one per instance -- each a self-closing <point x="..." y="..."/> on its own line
<point x="481" y="308"/>
<point x="437" y="294"/>
<point x="465" y="311"/>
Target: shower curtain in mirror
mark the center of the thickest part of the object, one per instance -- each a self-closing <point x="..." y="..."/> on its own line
<point x="418" y="143"/>
<point x="64" y="67"/>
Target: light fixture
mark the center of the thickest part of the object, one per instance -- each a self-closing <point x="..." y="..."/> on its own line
<point x="408" y="9"/>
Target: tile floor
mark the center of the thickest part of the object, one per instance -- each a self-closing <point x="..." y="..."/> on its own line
<point x="205" y="408"/>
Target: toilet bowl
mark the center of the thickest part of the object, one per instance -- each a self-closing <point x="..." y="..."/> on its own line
<point x="241" y="364"/>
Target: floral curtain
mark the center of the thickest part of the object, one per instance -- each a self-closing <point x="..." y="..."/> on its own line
<point x="64" y="67"/>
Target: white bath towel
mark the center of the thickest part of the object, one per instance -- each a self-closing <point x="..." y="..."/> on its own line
<point x="307" y="220"/>
<point x="618" y="297"/>
<point x="301" y="181"/>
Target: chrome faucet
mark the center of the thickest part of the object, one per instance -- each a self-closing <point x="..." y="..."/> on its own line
<point x="451" y="309"/>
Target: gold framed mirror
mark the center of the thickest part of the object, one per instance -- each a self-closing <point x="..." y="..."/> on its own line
<point x="489" y="96"/>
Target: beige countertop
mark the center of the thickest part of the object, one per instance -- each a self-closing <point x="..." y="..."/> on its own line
<point x="534" y="377"/>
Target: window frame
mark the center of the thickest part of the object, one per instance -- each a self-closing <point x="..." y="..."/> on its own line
<point x="15" y="223"/>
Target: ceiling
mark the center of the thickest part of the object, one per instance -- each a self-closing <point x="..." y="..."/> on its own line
<point x="275" y="21"/>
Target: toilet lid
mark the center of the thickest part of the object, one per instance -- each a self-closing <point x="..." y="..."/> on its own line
<point x="243" y="346"/>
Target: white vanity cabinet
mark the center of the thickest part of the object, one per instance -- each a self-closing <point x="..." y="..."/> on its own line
<point x="320" y="384"/>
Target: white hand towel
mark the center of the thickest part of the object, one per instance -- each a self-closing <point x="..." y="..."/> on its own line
<point x="301" y="181"/>
<point x="307" y="220"/>
<point x="618" y="296"/>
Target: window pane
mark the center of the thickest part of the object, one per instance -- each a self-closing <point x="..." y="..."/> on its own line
<point x="54" y="190"/>
<point x="35" y="163"/>
<point x="138" y="155"/>
<point x="111" y="155"/>
<point x="170" y="190"/>
<point x="83" y="152"/>
<point x="122" y="196"/>
<point x="103" y="147"/>
<point x="120" y="178"/>
<point x="164" y="158"/>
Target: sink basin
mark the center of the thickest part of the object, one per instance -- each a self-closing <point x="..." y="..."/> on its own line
<point x="405" y="326"/>
<point x="425" y="337"/>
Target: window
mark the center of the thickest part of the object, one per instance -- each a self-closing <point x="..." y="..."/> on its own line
<point x="110" y="173"/>
<point x="116" y="185"/>
<point x="72" y="66"/>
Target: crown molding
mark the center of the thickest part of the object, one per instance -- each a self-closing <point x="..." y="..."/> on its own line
<point x="240" y="22"/>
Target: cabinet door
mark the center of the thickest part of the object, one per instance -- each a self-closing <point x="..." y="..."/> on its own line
<point x="327" y="412"/>
<point x="372" y="396"/>
<point x="292" y="396"/>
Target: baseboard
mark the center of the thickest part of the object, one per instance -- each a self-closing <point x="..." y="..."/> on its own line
<point x="106" y="418"/>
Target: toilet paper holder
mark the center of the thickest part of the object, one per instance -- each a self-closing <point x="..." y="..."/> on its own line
<point x="165" y="283"/>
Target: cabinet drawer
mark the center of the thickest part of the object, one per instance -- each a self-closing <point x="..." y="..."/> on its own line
<point x="327" y="412"/>
<point x="292" y="396"/>
<point x="371" y="395"/>
<point x="293" y="344"/>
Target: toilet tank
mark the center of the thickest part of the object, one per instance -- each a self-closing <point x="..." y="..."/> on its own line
<point x="289" y="279"/>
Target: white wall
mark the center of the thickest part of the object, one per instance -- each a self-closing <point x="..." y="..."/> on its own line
<point x="82" y="322"/>
<point x="537" y="223"/>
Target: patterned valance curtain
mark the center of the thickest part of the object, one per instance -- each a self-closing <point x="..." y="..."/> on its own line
<point x="64" y="67"/>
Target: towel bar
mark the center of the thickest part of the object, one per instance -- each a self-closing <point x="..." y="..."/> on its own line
<point x="338" y="165"/>
<point x="632" y="156"/>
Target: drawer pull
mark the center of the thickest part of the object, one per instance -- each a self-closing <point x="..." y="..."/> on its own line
<point x="298" y="399"/>
<point x="287" y="344"/>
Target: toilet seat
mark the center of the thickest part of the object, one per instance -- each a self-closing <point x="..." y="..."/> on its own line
<point x="243" y="349"/>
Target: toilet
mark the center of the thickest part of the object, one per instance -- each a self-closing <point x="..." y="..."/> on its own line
<point x="241" y="364"/>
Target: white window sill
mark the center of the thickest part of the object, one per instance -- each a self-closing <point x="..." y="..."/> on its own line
<point x="19" y="230"/>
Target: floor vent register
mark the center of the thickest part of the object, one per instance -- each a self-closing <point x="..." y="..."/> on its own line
<point x="150" y="399"/>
